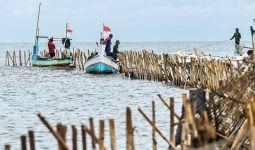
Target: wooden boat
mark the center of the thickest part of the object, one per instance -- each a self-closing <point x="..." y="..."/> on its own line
<point x="101" y="64"/>
<point x="38" y="60"/>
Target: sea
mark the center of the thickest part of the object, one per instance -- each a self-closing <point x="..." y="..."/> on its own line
<point x="72" y="97"/>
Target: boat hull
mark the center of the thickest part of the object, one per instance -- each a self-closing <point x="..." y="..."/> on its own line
<point x="52" y="62"/>
<point x="101" y="64"/>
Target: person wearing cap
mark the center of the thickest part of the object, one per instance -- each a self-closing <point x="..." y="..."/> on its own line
<point x="51" y="47"/>
<point x="116" y="50"/>
<point x="237" y="37"/>
<point x="108" y="44"/>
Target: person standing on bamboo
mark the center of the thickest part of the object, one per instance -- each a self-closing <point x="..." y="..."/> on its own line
<point x="51" y="47"/>
<point x="108" y="43"/>
<point x="237" y="37"/>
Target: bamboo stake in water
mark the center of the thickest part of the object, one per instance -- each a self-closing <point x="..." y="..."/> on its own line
<point x="61" y="130"/>
<point x="154" y="142"/>
<point x="91" y="123"/>
<point x="7" y="147"/>
<point x="101" y="135"/>
<point x="129" y="131"/>
<point x="74" y="137"/>
<point x="84" y="137"/>
<point x="25" y="58"/>
<point x="23" y="142"/>
<point x="172" y="120"/>
<point x="31" y="140"/>
<point x="112" y="134"/>
<point x="20" y="60"/>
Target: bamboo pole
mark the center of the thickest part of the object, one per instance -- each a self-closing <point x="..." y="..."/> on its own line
<point x="23" y="142"/>
<point x="154" y="142"/>
<point x="25" y="58"/>
<point x="74" y="137"/>
<point x="95" y="137"/>
<point x="61" y="130"/>
<point x="84" y="138"/>
<point x="172" y="139"/>
<point x="20" y="60"/>
<point x="101" y="135"/>
<point x="91" y="123"/>
<point x="129" y="131"/>
<point x="31" y="140"/>
<point x="7" y="147"/>
<point x="55" y="134"/>
<point x="8" y="61"/>
<point x="112" y="134"/>
<point x="172" y="145"/>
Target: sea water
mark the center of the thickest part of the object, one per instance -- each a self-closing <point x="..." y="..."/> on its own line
<point x="72" y="96"/>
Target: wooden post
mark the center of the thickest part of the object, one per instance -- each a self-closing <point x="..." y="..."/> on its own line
<point x="74" y="137"/>
<point x="31" y="140"/>
<point x="172" y="139"/>
<point x="55" y="134"/>
<point x="23" y="142"/>
<point x="61" y="130"/>
<point x="25" y="58"/>
<point x="20" y="60"/>
<point x="84" y="137"/>
<point x="154" y="142"/>
<point x="8" y="60"/>
<point x="91" y="123"/>
<point x="14" y="58"/>
<point x="7" y="147"/>
<point x="112" y="134"/>
<point x="129" y="131"/>
<point x="101" y="135"/>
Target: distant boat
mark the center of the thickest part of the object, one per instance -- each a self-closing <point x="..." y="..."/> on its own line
<point x="41" y="61"/>
<point x="101" y="64"/>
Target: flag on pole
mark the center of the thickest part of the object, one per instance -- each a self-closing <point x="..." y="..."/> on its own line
<point x="69" y="29"/>
<point x="106" y="31"/>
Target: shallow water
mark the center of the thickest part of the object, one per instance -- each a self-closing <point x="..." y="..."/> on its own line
<point x="71" y="97"/>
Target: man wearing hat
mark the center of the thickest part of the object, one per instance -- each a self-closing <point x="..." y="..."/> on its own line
<point x="51" y="47"/>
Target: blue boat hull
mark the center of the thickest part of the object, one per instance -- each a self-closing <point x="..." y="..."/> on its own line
<point x="101" y="68"/>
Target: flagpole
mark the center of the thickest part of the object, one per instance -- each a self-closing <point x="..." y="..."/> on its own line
<point x="66" y="29"/>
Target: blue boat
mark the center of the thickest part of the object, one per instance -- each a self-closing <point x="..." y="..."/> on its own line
<point x="101" y="64"/>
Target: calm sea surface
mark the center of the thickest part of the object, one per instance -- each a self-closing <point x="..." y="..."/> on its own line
<point x="71" y="96"/>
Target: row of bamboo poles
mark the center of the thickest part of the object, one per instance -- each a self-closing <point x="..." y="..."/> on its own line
<point x="178" y="70"/>
<point x="23" y="58"/>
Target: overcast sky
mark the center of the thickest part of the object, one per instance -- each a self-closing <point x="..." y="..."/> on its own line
<point x="130" y="20"/>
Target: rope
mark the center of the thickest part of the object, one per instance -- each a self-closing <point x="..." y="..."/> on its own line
<point x="210" y="45"/>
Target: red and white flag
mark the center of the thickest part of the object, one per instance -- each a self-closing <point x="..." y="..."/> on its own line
<point x="69" y="29"/>
<point x="106" y="31"/>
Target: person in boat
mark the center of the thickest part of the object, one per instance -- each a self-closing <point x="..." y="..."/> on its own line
<point x="67" y="44"/>
<point x="51" y="47"/>
<point x="108" y="43"/>
<point x="115" y="50"/>
<point x="237" y="37"/>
